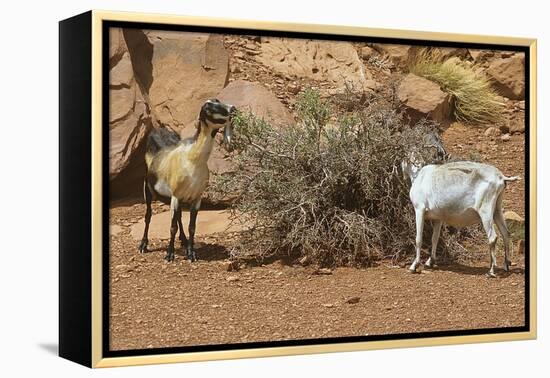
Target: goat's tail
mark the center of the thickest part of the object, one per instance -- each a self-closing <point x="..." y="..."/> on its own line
<point x="511" y="179"/>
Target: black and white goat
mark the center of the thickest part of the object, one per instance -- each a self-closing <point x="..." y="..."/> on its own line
<point x="177" y="171"/>
<point x="459" y="194"/>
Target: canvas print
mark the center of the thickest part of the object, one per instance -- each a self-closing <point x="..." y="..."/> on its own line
<point x="272" y="188"/>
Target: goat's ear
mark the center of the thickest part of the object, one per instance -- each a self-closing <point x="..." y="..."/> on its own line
<point x="202" y="114"/>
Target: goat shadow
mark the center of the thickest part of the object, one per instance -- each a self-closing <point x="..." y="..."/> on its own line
<point x="204" y="251"/>
<point x="476" y="270"/>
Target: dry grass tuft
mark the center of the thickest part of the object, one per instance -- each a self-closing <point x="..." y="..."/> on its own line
<point x="476" y="102"/>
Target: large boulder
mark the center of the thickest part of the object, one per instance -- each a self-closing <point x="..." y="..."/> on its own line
<point x="452" y="52"/>
<point x="480" y="56"/>
<point x="423" y="98"/>
<point x="253" y="98"/>
<point x="187" y="69"/>
<point x="258" y="100"/>
<point x="129" y="118"/>
<point x="508" y="75"/>
<point x="334" y="62"/>
<point x="400" y="55"/>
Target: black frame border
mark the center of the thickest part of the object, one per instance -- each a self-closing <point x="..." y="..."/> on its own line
<point x="106" y="352"/>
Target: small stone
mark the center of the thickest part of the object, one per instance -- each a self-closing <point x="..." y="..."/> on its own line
<point x="517" y="127"/>
<point x="323" y="271"/>
<point x="505" y="137"/>
<point x="492" y="132"/>
<point x="230" y="266"/>
<point x="304" y="260"/>
<point x="294" y="88"/>
<point x="505" y="129"/>
<point x="328" y="305"/>
<point x="367" y="52"/>
<point x="353" y="300"/>
<point x="123" y="267"/>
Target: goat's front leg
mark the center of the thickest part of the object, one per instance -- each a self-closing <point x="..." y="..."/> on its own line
<point x="435" y="238"/>
<point x="419" y="213"/>
<point x="174" y="216"/>
<point x="191" y="255"/>
<point x="148" y="199"/>
<point x="183" y="239"/>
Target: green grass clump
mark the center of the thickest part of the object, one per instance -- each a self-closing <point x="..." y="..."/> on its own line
<point x="475" y="101"/>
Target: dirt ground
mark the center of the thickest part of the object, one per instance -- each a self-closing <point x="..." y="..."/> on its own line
<point x="156" y="304"/>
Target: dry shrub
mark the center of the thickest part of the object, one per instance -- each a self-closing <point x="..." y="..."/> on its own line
<point x="330" y="187"/>
<point x="475" y="101"/>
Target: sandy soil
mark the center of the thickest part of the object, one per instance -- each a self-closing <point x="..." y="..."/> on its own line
<point x="156" y="304"/>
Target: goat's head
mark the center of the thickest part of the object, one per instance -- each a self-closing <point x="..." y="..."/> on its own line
<point x="214" y="115"/>
<point x="434" y="153"/>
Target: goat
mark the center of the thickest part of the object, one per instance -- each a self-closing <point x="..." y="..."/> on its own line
<point x="177" y="171"/>
<point x="459" y="194"/>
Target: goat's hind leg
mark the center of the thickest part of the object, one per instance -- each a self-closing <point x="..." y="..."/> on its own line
<point x="183" y="239"/>
<point x="503" y="228"/>
<point x="148" y="196"/>
<point x="175" y="212"/>
<point x="419" y="230"/>
<point x="487" y="221"/>
<point x="435" y="238"/>
<point x="194" y="210"/>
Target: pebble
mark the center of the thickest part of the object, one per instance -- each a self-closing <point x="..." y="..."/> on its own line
<point x="323" y="271"/>
<point x="353" y="300"/>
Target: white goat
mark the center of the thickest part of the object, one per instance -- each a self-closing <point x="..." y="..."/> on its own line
<point x="459" y="194"/>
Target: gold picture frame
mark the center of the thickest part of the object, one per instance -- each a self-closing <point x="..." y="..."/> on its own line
<point x="86" y="321"/>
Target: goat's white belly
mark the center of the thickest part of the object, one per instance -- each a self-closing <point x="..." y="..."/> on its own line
<point x="162" y="188"/>
<point x="454" y="217"/>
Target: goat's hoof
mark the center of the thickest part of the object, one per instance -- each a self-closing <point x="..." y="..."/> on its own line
<point x="412" y="270"/>
<point x="191" y="255"/>
<point x="491" y="275"/>
<point x="169" y="257"/>
<point x="507" y="265"/>
<point x="142" y="247"/>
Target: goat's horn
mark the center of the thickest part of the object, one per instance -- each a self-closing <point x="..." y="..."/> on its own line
<point x="227" y="133"/>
